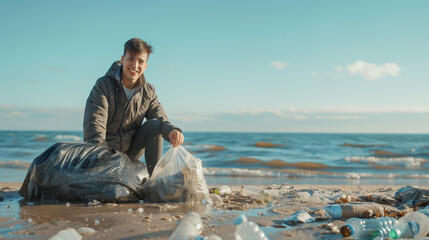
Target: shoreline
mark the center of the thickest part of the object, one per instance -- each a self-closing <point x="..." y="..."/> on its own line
<point x="158" y="221"/>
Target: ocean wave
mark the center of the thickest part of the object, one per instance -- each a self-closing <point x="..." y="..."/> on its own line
<point x="353" y="175"/>
<point x="41" y="139"/>
<point x="276" y="163"/>
<point x="68" y="137"/>
<point x="408" y="162"/>
<point x="425" y="176"/>
<point x="242" y="172"/>
<point x="14" y="164"/>
<point x="361" y="145"/>
<point x="268" y="145"/>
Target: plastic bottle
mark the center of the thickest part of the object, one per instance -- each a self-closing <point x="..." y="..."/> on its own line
<point x="378" y="228"/>
<point x="412" y="225"/>
<point x="221" y="190"/>
<point x="247" y="230"/>
<point x="67" y="234"/>
<point x="189" y="228"/>
<point x="211" y="237"/>
<point x="337" y="211"/>
<point x="258" y="194"/>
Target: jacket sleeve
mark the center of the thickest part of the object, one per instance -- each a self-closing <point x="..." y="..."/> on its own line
<point x="96" y="113"/>
<point x="156" y="110"/>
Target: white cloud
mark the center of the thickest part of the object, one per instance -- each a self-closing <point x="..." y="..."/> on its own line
<point x="51" y="68"/>
<point x="338" y="68"/>
<point x="16" y="114"/>
<point x="310" y="120"/>
<point x="372" y="71"/>
<point x="28" y="118"/>
<point x="340" y="117"/>
<point x="279" y="65"/>
<point x="315" y="74"/>
<point x="191" y="117"/>
<point x="287" y="113"/>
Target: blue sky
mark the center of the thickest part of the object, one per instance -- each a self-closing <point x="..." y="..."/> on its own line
<point x="278" y="66"/>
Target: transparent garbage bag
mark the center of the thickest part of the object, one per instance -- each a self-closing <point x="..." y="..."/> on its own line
<point x="84" y="172"/>
<point x="178" y="177"/>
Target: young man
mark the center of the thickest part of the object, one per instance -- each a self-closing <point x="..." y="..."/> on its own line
<point x="118" y="104"/>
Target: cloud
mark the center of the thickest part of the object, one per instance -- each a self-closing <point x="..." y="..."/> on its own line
<point x="15" y="114"/>
<point x="340" y="117"/>
<point x="242" y="120"/>
<point x="338" y="68"/>
<point x="194" y="117"/>
<point x="309" y="120"/>
<point x="287" y="114"/>
<point x="51" y="68"/>
<point x="279" y="65"/>
<point x="28" y="118"/>
<point x="372" y="71"/>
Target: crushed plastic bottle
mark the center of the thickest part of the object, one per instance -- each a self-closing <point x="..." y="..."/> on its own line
<point x="211" y="237"/>
<point x="221" y="190"/>
<point x="378" y="228"/>
<point x="298" y="217"/>
<point x="189" y="228"/>
<point x="337" y="211"/>
<point x="258" y="194"/>
<point x="67" y="234"/>
<point x="247" y="230"/>
<point x="412" y="225"/>
<point x="86" y="230"/>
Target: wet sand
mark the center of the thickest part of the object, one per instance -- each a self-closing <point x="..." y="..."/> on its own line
<point x="20" y="219"/>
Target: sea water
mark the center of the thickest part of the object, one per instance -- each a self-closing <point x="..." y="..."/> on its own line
<point x="265" y="158"/>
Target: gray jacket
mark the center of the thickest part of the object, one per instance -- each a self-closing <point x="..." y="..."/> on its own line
<point x="109" y="116"/>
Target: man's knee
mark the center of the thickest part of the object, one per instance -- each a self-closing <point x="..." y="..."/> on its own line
<point x="152" y="126"/>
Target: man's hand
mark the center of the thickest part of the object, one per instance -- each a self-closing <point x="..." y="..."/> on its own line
<point x="176" y="138"/>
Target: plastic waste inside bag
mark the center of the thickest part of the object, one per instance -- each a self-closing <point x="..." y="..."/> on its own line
<point x="84" y="172"/>
<point x="178" y="177"/>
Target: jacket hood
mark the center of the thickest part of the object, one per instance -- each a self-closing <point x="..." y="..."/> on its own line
<point x="115" y="72"/>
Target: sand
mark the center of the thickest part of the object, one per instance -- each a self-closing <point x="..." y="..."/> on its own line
<point x="20" y="219"/>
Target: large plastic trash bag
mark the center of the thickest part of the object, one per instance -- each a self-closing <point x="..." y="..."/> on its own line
<point x="178" y="177"/>
<point x="84" y="172"/>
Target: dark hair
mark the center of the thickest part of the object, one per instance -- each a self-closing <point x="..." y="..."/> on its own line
<point x="136" y="45"/>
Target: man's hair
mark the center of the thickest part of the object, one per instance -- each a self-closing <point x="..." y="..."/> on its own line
<point x="136" y="45"/>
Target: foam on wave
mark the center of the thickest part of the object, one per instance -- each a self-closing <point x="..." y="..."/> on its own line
<point x="68" y="137"/>
<point x="408" y="162"/>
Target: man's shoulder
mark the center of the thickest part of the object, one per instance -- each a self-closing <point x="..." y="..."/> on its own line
<point x="105" y="80"/>
<point x="148" y="86"/>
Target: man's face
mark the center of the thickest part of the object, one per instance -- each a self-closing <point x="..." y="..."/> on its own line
<point x="134" y="65"/>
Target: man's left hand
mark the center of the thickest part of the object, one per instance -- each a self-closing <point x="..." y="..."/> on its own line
<point x="176" y="138"/>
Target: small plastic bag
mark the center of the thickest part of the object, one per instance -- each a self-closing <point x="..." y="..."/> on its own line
<point x="177" y="177"/>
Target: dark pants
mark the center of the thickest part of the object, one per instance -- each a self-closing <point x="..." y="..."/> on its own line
<point x="148" y="140"/>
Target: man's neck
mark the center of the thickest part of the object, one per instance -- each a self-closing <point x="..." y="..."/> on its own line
<point x="128" y="83"/>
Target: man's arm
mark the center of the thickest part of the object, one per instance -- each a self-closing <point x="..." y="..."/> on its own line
<point x="96" y="113"/>
<point x="170" y="132"/>
<point x="176" y="138"/>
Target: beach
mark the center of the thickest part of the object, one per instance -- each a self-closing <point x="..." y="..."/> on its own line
<point x="303" y="171"/>
<point x="28" y="220"/>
